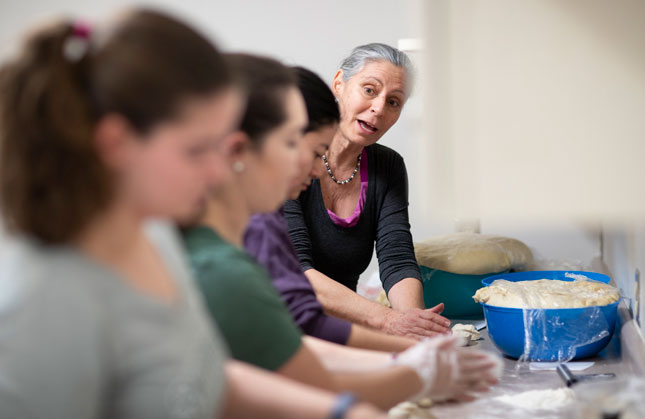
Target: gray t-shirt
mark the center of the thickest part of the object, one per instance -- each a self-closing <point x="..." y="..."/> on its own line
<point x="78" y="341"/>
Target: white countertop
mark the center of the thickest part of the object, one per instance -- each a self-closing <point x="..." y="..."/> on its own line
<point x="518" y="378"/>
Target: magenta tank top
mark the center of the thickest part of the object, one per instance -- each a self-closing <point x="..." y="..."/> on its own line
<point x="353" y="219"/>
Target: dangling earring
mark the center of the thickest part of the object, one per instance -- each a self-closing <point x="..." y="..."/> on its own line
<point x="238" y="167"/>
<point x="336" y="99"/>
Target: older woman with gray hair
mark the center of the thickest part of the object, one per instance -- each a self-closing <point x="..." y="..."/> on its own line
<point x="363" y="201"/>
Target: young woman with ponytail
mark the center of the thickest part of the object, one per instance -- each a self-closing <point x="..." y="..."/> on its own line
<point x="102" y="133"/>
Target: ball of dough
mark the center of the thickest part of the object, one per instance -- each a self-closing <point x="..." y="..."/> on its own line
<point x="472" y="254"/>
<point x="466" y="333"/>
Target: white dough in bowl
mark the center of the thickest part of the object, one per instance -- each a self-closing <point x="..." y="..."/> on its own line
<point x="547" y="293"/>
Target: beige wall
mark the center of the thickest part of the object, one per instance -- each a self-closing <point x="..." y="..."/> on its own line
<point x="539" y="105"/>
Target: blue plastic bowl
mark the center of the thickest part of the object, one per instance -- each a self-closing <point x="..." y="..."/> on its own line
<point x="454" y="290"/>
<point x="556" y="334"/>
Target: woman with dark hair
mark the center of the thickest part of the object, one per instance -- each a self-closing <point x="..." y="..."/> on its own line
<point x="256" y="324"/>
<point x="100" y="131"/>
<point x="267" y="236"/>
<point x="362" y="203"/>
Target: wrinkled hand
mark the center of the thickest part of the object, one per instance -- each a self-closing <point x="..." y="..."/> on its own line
<point x="449" y="372"/>
<point x="416" y="323"/>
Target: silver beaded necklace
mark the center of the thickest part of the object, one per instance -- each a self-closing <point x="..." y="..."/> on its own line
<point x="349" y="179"/>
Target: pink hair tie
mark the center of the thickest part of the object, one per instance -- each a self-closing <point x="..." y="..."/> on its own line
<point x="82" y="29"/>
<point x="77" y="44"/>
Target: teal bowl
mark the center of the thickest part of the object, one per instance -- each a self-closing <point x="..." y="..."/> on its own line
<point x="455" y="291"/>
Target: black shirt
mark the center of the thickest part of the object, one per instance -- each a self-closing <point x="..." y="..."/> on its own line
<point x="343" y="253"/>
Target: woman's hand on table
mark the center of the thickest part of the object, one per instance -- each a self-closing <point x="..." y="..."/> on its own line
<point x="417" y="323"/>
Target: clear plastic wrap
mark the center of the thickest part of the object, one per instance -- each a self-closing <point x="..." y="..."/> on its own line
<point x="561" y="334"/>
<point x="568" y="330"/>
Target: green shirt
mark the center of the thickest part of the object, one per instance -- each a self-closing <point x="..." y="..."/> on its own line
<point x="241" y="299"/>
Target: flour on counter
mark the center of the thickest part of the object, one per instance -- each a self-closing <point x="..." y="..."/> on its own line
<point x="539" y="399"/>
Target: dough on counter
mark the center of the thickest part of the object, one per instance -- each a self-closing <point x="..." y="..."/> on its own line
<point x="466" y="333"/>
<point x="411" y="410"/>
<point x="547" y="293"/>
<point x="472" y="253"/>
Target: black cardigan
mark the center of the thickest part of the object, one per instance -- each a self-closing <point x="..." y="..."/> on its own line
<point x="343" y="253"/>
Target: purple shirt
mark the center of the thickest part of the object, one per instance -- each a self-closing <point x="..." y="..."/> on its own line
<point x="267" y="239"/>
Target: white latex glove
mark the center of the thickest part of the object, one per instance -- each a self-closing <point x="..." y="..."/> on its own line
<point x="449" y="372"/>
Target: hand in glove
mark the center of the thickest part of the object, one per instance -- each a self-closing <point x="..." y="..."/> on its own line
<point x="450" y="372"/>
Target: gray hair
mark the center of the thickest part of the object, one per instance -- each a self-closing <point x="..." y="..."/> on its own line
<point x="375" y="52"/>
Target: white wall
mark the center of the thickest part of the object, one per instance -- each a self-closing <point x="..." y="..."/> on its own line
<point x="624" y="254"/>
<point x="311" y="33"/>
<point x="318" y="34"/>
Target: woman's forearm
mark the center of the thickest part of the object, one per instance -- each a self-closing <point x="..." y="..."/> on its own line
<point x="407" y="293"/>
<point x="381" y="384"/>
<point x="415" y="323"/>
<point x="341" y="302"/>
<point x="340" y="358"/>
<point x="361" y="337"/>
<point x="254" y="393"/>
<point x="384" y="388"/>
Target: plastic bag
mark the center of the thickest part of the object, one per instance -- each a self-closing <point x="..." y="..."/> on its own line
<point x="562" y="334"/>
<point x="370" y="287"/>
